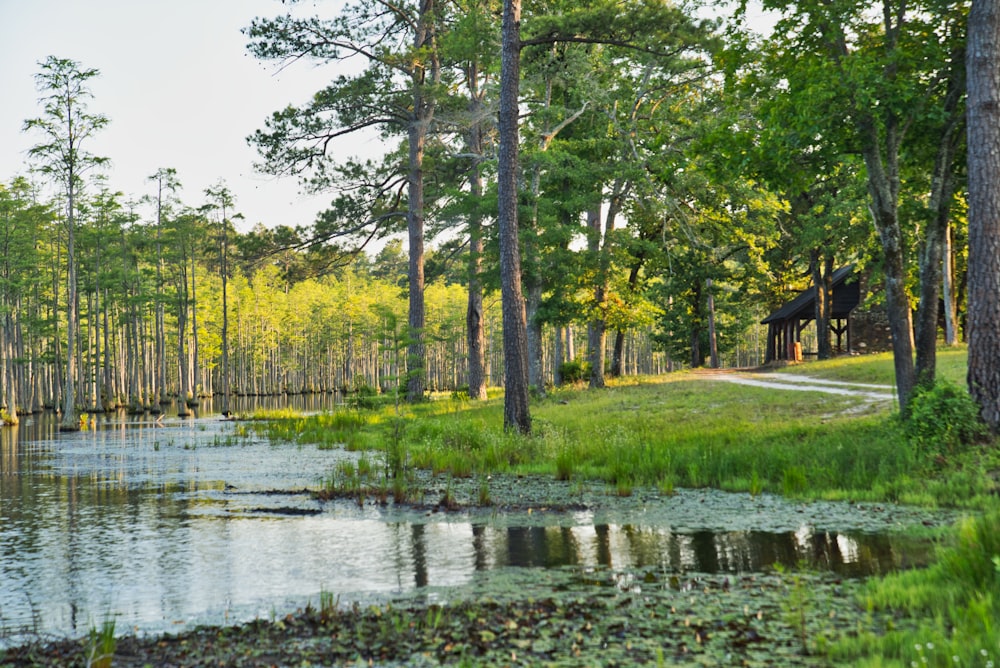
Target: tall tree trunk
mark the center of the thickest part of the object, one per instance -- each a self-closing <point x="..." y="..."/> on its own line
<point x="515" y="345"/>
<point x="697" y="327"/>
<point x="10" y="386"/>
<point x="880" y="141"/>
<point x="948" y="291"/>
<point x="596" y="328"/>
<point x="184" y="376"/>
<point x="713" y="344"/>
<point x="617" y="362"/>
<point x="70" y="419"/>
<point x="56" y="385"/>
<point x="108" y="399"/>
<point x="193" y="397"/>
<point x="161" y="334"/>
<point x="932" y="257"/>
<point x="883" y="190"/>
<point x="559" y="358"/>
<point x="225" y="318"/>
<point x="424" y="75"/>
<point x="603" y="246"/>
<point x="474" y="320"/>
<point x="983" y="63"/>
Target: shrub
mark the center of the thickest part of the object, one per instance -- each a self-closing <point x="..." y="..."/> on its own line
<point x="574" y="371"/>
<point x="366" y="397"/>
<point x="943" y="418"/>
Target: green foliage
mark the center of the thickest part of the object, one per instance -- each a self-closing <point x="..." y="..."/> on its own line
<point x="365" y="397"/>
<point x="693" y="432"/>
<point x="574" y="371"/>
<point x="327" y="430"/>
<point x="101" y="644"/>
<point x="943" y="419"/>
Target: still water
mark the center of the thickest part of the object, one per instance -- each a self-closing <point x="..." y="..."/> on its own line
<point x="167" y="523"/>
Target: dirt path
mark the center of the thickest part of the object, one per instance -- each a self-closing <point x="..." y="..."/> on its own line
<point x="873" y="394"/>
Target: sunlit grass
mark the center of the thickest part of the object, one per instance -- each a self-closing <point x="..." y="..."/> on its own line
<point x="879" y="368"/>
<point x="692" y="430"/>
<point x="681" y="430"/>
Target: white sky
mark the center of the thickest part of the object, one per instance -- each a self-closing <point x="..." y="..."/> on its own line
<point x="179" y="88"/>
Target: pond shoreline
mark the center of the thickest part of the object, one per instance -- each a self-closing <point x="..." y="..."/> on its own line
<point x="570" y="615"/>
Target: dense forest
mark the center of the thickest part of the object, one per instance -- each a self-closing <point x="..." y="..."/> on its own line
<point x="668" y="180"/>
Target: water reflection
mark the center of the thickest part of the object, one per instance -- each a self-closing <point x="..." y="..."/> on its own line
<point x="170" y="522"/>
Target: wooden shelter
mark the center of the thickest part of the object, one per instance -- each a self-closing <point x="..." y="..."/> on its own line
<point x="784" y="326"/>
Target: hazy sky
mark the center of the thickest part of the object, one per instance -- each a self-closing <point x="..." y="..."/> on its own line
<point x="178" y="86"/>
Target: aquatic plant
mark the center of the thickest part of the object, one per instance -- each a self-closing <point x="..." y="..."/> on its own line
<point x="484" y="491"/>
<point x="101" y="644"/>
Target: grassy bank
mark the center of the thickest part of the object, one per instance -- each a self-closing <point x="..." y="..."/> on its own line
<point x="949" y="612"/>
<point x="684" y="430"/>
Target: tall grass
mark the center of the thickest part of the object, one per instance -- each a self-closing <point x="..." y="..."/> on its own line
<point x="679" y="430"/>
<point x="327" y="430"/>
<point x="948" y="614"/>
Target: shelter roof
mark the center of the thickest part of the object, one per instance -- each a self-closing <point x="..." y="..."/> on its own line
<point x="803" y="306"/>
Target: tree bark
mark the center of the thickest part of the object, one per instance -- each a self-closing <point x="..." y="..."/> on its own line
<point x="427" y="73"/>
<point x="880" y="140"/>
<point x="822" y="272"/>
<point x="474" y="321"/>
<point x="596" y="328"/>
<point x="70" y="420"/>
<point x="184" y="376"/>
<point x="515" y="346"/>
<point x="883" y="191"/>
<point x="948" y="291"/>
<point x="713" y="343"/>
<point x="983" y="76"/>
<point x="617" y="361"/>
<point x="932" y="257"/>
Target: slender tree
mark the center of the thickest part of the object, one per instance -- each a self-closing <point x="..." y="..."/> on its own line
<point x="865" y="82"/>
<point x="166" y="185"/>
<point x="397" y="92"/>
<point x="65" y="126"/>
<point x="221" y="199"/>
